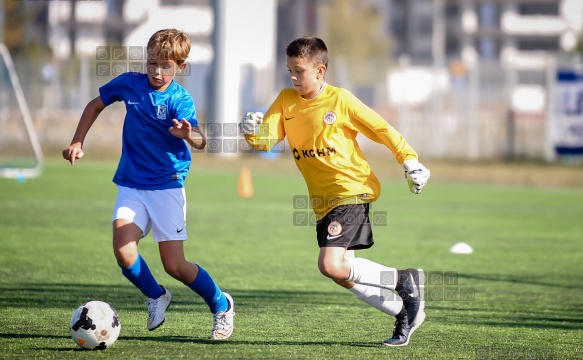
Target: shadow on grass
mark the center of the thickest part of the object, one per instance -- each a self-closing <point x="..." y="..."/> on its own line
<point x="184" y="339"/>
<point x="500" y="318"/>
<point x="515" y="303"/>
<point x="127" y="297"/>
<point x="32" y="336"/>
<point x="42" y="336"/>
<point x="521" y="280"/>
<point x="232" y="342"/>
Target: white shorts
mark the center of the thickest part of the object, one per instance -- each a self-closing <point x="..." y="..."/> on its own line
<point x="162" y="211"/>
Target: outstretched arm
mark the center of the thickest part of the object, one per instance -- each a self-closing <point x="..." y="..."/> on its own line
<point x="372" y="125"/>
<point x="90" y="114"/>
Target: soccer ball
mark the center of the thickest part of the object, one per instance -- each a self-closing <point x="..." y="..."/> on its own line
<point x="95" y="325"/>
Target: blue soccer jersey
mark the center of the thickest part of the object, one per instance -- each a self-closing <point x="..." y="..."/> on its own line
<point x="151" y="158"/>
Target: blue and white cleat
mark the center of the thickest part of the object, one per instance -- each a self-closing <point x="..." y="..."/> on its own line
<point x="157" y="309"/>
<point x="223" y="321"/>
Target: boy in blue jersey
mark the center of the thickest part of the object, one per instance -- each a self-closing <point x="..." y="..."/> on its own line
<point x="154" y="162"/>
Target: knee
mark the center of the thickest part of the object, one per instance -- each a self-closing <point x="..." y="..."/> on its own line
<point x="182" y="271"/>
<point x="173" y="269"/>
<point x="332" y="270"/>
<point x="125" y="256"/>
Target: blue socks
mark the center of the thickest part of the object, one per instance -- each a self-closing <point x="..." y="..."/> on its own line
<point x="139" y="274"/>
<point x="206" y="287"/>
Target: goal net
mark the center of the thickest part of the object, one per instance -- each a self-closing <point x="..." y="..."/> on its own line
<point x="20" y="152"/>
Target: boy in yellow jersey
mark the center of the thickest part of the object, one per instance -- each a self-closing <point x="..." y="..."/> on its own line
<point x="321" y="122"/>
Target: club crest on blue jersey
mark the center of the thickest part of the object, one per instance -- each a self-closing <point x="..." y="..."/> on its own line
<point x="161" y="112"/>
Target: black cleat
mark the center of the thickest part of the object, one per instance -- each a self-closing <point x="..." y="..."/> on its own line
<point x="402" y="332"/>
<point x="410" y="287"/>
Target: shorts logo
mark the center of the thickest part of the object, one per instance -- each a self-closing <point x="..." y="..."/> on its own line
<point x="329" y="118"/>
<point x="335" y="228"/>
<point x="161" y="112"/>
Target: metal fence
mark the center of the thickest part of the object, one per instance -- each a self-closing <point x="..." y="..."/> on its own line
<point x="468" y="118"/>
<point x="471" y="118"/>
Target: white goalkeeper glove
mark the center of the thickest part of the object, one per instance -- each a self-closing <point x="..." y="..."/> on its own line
<point x="416" y="174"/>
<point x="250" y="123"/>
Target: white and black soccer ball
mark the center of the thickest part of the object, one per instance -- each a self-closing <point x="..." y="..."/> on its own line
<point x="95" y="325"/>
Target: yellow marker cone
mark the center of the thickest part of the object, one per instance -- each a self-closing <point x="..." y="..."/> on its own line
<point x="245" y="188"/>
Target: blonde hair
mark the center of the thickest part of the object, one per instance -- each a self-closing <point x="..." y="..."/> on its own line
<point x="169" y="44"/>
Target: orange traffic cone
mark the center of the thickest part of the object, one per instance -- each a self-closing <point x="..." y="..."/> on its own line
<point x="245" y="188"/>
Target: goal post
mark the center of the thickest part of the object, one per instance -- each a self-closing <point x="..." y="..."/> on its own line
<point x="12" y="146"/>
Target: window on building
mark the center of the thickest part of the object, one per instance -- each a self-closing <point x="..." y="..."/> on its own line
<point x="489" y="15"/>
<point x="551" y="9"/>
<point x="425" y="26"/>
<point x="452" y="47"/>
<point x="539" y="44"/>
<point x="399" y="26"/>
<point x="453" y="19"/>
<point x="489" y="48"/>
<point x="452" y="10"/>
<point x="184" y="2"/>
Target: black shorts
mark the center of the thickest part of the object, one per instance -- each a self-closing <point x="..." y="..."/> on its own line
<point x="346" y="226"/>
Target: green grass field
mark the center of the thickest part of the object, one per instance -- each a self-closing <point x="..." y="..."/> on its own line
<point x="518" y="296"/>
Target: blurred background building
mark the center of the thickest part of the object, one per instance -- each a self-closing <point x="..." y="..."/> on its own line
<point x="469" y="79"/>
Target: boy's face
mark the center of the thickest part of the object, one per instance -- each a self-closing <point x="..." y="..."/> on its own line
<point x="161" y="71"/>
<point x="305" y="77"/>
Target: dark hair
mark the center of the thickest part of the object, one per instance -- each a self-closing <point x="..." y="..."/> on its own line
<point x="310" y="48"/>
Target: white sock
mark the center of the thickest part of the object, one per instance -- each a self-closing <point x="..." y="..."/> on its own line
<point x="366" y="272"/>
<point x="383" y="299"/>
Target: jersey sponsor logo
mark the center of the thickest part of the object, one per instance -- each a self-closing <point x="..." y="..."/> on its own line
<point x="296" y="154"/>
<point x="329" y="118"/>
<point x="289" y="118"/>
<point x="133" y="102"/>
<point x="313" y="153"/>
<point x="334" y="230"/>
<point x="161" y="112"/>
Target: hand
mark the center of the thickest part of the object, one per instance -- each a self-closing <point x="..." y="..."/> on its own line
<point x="181" y="129"/>
<point x="416" y="174"/>
<point x="73" y="152"/>
<point x="197" y="141"/>
<point x="250" y="123"/>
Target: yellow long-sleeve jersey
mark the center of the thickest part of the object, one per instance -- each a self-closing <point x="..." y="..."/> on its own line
<point x="321" y="134"/>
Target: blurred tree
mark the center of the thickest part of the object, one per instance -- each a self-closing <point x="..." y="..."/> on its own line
<point x="358" y="46"/>
<point x="14" y="25"/>
<point x="579" y="47"/>
<point x="25" y="26"/>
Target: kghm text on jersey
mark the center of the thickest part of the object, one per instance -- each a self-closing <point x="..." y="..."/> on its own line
<point x="312" y="153"/>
